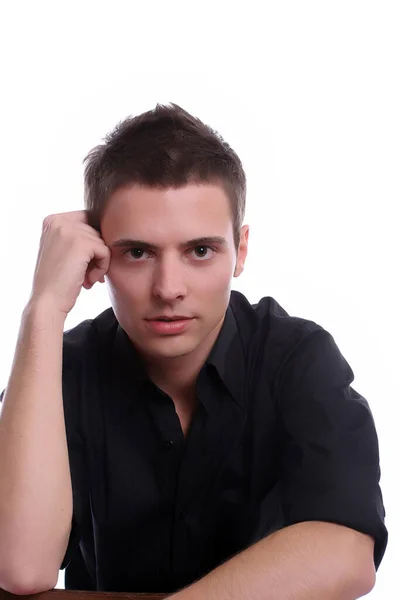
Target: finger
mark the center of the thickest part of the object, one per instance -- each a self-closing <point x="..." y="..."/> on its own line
<point x="79" y="216"/>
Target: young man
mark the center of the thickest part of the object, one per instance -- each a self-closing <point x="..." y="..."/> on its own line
<point x="184" y="441"/>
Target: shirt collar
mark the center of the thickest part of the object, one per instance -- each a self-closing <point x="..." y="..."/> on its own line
<point x="227" y="356"/>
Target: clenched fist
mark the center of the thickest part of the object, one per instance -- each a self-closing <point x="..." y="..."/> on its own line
<point x="71" y="254"/>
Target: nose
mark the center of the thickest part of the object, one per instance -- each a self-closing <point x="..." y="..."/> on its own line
<point x="168" y="282"/>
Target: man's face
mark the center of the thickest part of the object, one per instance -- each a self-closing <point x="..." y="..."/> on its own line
<point x="175" y="277"/>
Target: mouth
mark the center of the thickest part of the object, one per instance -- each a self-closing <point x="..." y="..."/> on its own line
<point x="166" y="320"/>
<point x="172" y="326"/>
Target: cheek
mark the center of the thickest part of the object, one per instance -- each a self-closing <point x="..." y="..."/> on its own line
<point x="122" y="289"/>
<point x="119" y="278"/>
<point x="123" y="283"/>
<point x="222" y="280"/>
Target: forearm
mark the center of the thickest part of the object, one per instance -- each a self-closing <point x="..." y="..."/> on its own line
<point x="35" y="487"/>
<point x="306" y="561"/>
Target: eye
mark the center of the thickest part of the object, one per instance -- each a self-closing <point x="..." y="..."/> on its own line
<point x="133" y="250"/>
<point x="137" y="250"/>
<point x="204" y="248"/>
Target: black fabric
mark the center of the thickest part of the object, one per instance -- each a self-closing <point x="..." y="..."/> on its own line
<point x="279" y="436"/>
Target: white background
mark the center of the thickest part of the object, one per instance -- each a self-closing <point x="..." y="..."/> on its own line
<point x="308" y="95"/>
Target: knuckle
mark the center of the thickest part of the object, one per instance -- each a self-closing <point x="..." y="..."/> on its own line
<point x="47" y="220"/>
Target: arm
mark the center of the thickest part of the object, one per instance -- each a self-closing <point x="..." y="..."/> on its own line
<point x="35" y="483"/>
<point x="329" y="490"/>
<point x="306" y="561"/>
<point x="36" y="495"/>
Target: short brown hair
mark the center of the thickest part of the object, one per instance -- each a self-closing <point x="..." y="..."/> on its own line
<point x="161" y="148"/>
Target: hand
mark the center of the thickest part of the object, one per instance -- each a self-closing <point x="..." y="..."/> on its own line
<point x="72" y="254"/>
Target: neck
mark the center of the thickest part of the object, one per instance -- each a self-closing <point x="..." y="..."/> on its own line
<point x="177" y="376"/>
<point x="176" y="379"/>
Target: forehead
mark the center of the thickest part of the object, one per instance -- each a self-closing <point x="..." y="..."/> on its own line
<point x="189" y="211"/>
<point x="209" y="199"/>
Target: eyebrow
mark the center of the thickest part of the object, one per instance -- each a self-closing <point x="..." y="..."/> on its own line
<point x="124" y="242"/>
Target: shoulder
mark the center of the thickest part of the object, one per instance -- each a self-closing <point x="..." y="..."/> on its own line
<point x="270" y="331"/>
<point x="81" y="362"/>
<point x="84" y="339"/>
<point x="269" y="322"/>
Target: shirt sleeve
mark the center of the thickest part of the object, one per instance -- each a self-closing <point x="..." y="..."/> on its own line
<point x="330" y="456"/>
<point x="76" y="452"/>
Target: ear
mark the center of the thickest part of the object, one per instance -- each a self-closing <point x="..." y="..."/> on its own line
<point x="242" y="251"/>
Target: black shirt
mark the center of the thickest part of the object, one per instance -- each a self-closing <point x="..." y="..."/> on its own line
<point x="279" y="436"/>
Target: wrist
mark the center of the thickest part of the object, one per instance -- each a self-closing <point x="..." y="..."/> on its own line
<point x="42" y="312"/>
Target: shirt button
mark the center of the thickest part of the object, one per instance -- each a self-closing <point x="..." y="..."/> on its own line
<point x="168" y="444"/>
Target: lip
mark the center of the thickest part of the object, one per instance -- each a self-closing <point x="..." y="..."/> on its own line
<point x="169" y="327"/>
<point x="172" y="317"/>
